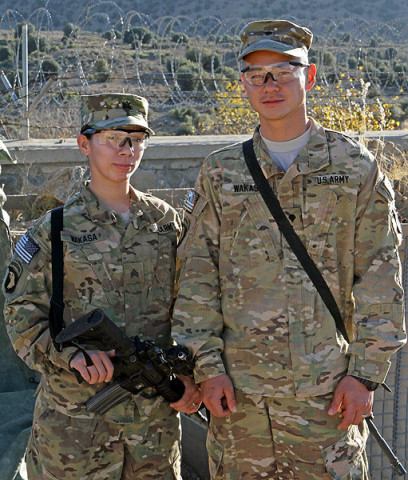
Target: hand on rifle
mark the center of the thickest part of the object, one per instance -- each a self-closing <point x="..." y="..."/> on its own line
<point x="98" y="370"/>
<point x="191" y="400"/>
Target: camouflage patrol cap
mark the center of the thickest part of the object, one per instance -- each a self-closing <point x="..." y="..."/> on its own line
<point x="279" y="36"/>
<point x="5" y="154"/>
<point x="114" y="111"/>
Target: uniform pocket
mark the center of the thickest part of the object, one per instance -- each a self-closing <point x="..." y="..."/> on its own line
<point x="264" y="238"/>
<point x="345" y="454"/>
<point x="215" y="454"/>
<point x="319" y="237"/>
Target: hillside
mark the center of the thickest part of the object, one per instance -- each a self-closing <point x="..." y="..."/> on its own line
<point x="75" y="10"/>
<point x="186" y="63"/>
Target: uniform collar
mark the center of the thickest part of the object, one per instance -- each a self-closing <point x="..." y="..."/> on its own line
<point x="311" y="158"/>
<point x="142" y="213"/>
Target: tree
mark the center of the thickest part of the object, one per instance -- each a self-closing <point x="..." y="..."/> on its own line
<point x="178" y="37"/>
<point x="19" y="30"/>
<point x="102" y="69"/>
<point x="108" y="35"/>
<point x="352" y="63"/>
<point x="328" y="59"/>
<point x="49" y="67"/>
<point x="138" y="33"/>
<point x="35" y="43"/>
<point x="70" y="30"/>
<point x="208" y="58"/>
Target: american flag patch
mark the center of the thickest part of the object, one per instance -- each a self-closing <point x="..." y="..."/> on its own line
<point x="190" y="200"/>
<point x="26" y="249"/>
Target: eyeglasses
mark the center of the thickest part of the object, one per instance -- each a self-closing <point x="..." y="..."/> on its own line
<point x="118" y="140"/>
<point x="280" y="73"/>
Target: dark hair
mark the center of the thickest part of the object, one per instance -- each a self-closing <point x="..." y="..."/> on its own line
<point x="88" y="131"/>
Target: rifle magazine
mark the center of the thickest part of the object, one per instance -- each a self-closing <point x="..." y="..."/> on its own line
<point x="107" y="398"/>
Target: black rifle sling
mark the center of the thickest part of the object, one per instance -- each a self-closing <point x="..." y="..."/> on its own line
<point x="56" y="318"/>
<point x="311" y="269"/>
<point x="291" y="236"/>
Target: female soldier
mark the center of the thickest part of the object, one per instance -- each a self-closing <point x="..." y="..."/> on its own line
<point x="119" y="247"/>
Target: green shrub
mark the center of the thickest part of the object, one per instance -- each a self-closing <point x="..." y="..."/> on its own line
<point x="178" y="37"/>
<point x="6" y="54"/>
<point x="109" y="35"/>
<point x="70" y="30"/>
<point x="50" y="67"/>
<point x="138" y="33"/>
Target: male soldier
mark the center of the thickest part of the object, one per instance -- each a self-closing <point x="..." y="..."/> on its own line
<point x="119" y="255"/>
<point x="286" y="392"/>
<point x="17" y="382"/>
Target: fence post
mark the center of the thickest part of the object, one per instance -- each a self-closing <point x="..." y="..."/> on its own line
<point x="26" y="122"/>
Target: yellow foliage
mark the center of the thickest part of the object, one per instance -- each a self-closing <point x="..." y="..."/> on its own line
<point x="234" y="115"/>
<point x="347" y="110"/>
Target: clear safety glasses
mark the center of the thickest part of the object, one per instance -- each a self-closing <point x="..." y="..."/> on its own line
<point x="280" y="73"/>
<point x="116" y="139"/>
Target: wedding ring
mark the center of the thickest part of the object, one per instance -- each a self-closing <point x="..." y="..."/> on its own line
<point x="195" y="405"/>
<point x="365" y="415"/>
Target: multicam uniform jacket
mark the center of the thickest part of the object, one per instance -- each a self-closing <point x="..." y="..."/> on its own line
<point x="245" y="305"/>
<point x="127" y="270"/>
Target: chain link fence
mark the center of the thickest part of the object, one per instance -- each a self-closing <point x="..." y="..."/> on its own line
<point x="390" y="409"/>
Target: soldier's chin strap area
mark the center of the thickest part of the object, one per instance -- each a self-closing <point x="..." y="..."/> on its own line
<point x="56" y="314"/>
<point x="312" y="271"/>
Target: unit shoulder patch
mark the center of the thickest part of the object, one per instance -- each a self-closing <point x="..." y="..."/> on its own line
<point x="13" y="275"/>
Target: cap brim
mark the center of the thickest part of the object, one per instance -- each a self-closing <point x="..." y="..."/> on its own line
<point x="273" y="46"/>
<point x="126" y="121"/>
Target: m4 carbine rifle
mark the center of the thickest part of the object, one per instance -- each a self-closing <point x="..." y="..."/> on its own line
<point x="137" y="364"/>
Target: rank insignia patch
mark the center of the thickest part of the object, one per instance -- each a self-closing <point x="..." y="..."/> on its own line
<point x="26" y="249"/>
<point x="190" y="201"/>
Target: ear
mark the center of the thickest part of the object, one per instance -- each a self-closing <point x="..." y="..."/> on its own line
<point x="83" y="144"/>
<point x="244" y="83"/>
<point x="311" y="77"/>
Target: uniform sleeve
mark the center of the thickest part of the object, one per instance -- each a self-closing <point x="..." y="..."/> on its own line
<point x="378" y="319"/>
<point x="5" y="238"/>
<point x="27" y="290"/>
<point x="197" y="318"/>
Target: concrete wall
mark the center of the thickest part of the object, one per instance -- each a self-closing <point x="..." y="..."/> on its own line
<point x="169" y="162"/>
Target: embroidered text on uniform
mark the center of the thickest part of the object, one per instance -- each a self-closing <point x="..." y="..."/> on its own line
<point x="332" y="179"/>
<point x="87" y="238"/>
<point x="245" y="187"/>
